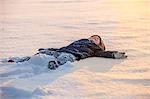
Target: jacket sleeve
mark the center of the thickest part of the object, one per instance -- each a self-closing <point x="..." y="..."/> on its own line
<point x="106" y="54"/>
<point x="45" y="50"/>
<point x="49" y="49"/>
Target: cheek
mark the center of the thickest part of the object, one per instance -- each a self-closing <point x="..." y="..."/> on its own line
<point x="97" y="41"/>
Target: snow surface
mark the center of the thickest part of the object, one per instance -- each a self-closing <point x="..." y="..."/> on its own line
<point x="88" y="79"/>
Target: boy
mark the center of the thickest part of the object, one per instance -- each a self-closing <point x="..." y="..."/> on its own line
<point x="80" y="49"/>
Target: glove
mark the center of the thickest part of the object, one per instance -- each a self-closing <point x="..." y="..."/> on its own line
<point x="119" y="55"/>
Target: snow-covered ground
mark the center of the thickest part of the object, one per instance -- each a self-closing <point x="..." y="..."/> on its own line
<point x="26" y="25"/>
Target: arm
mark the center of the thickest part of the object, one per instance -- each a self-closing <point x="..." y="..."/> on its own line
<point x="50" y="49"/>
<point x="45" y="50"/>
<point x="111" y="54"/>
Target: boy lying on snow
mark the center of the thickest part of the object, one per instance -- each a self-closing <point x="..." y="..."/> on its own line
<point x="80" y="49"/>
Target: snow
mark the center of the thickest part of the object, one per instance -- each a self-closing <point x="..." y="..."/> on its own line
<point x="78" y="80"/>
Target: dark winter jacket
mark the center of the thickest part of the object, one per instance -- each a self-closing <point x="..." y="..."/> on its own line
<point x="81" y="49"/>
<point x="84" y="48"/>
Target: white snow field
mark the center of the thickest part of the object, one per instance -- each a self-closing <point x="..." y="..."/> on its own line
<point x="26" y="25"/>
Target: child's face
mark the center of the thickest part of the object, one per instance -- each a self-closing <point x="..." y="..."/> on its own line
<point x="95" y="39"/>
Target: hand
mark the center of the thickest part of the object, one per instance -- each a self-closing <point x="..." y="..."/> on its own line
<point x="119" y="55"/>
